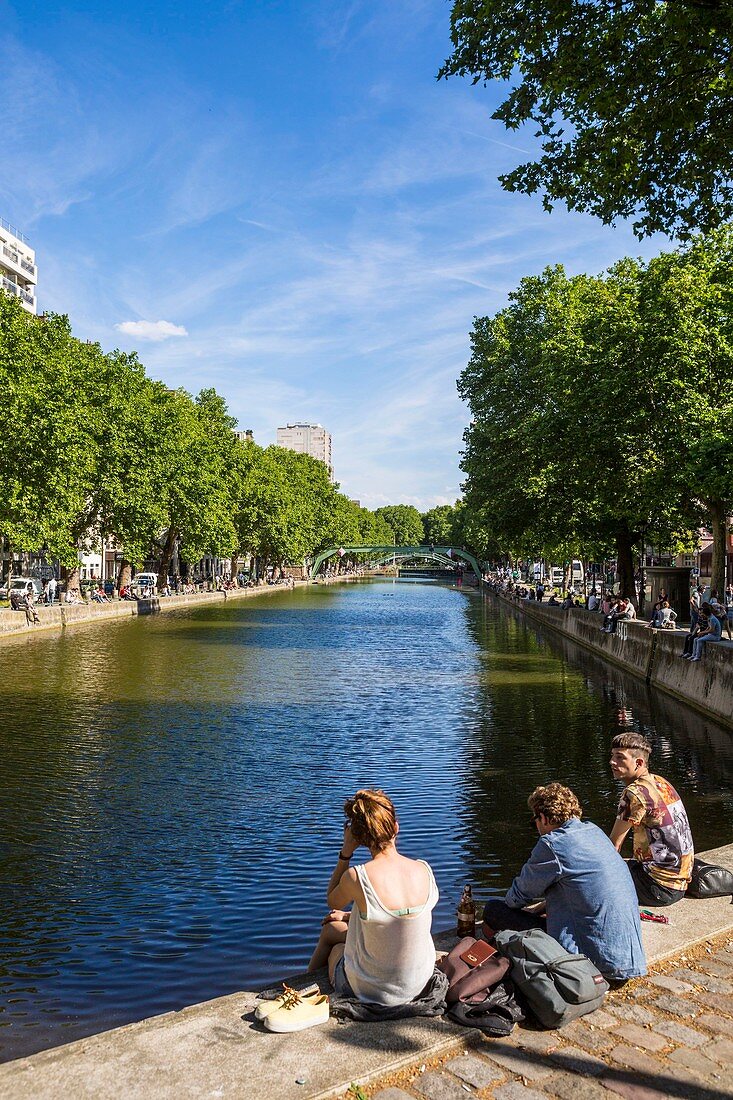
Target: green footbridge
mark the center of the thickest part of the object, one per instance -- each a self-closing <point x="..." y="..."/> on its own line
<point x="444" y="555"/>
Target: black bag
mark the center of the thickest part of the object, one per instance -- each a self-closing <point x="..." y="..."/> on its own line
<point x="557" y="986"/>
<point x="709" y="881"/>
<point x="496" y="1015"/>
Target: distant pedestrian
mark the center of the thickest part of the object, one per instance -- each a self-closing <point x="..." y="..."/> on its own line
<point x="711" y="633"/>
<point x="729" y="609"/>
<point x="51" y="591"/>
<point x="31" y="615"/>
<point x="695" y="605"/>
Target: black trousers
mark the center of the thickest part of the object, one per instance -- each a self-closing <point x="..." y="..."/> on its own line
<point x="650" y="892"/>
<point x="498" y="917"/>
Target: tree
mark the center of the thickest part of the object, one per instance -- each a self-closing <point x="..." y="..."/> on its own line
<point x="405" y="523"/>
<point x="438" y="525"/>
<point x="197" y="447"/>
<point x="632" y="99"/>
<point x="602" y="408"/>
<point x="48" y="446"/>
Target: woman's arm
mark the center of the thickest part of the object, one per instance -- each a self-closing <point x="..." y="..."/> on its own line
<point x="342" y="886"/>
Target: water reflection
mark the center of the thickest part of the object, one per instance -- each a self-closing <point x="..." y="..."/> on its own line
<point x="172" y="786"/>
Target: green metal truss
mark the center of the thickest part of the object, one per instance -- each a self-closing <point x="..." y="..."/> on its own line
<point x="443" y="554"/>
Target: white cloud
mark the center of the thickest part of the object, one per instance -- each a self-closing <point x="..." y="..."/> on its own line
<point x="151" y="330"/>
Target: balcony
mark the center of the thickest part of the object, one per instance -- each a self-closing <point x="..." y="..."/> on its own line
<point x="28" y="266"/>
<point x="10" y="254"/>
<point x="26" y="297"/>
<point x="11" y="287"/>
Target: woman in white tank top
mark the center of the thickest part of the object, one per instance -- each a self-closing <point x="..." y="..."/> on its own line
<point x="382" y="951"/>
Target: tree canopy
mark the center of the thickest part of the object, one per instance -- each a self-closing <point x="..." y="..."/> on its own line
<point x="602" y="408"/>
<point x="405" y="523"/>
<point x="632" y="100"/>
<point x="92" y="447"/>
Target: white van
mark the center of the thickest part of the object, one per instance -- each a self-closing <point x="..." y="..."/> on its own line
<point x="577" y="574"/>
<point x="21" y="585"/>
<point x="144" y="584"/>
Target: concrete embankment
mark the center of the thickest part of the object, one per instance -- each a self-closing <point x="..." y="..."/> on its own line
<point x="217" y="1049"/>
<point x="653" y="655"/>
<point x="60" y="616"/>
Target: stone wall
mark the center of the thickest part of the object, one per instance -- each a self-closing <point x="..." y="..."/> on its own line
<point x="13" y="623"/>
<point x="652" y="655"/>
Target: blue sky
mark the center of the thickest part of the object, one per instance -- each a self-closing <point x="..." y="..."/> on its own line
<point x="279" y="200"/>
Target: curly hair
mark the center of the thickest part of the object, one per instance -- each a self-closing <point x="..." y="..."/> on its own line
<point x="371" y="816"/>
<point x="557" y="803"/>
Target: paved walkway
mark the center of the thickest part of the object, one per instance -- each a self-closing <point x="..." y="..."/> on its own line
<point x="669" y="1035"/>
<point x="672" y="1033"/>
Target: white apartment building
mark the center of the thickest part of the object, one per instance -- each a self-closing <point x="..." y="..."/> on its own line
<point x="17" y="266"/>
<point x="307" y="439"/>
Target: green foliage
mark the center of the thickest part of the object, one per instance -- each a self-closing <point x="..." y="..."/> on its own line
<point x="404" y="522"/>
<point x="92" y="447"/>
<point x="438" y="525"/>
<point x="603" y="406"/>
<point x="632" y="101"/>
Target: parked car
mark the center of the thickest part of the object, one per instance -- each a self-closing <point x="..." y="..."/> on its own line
<point x="19" y="586"/>
<point x="144" y="585"/>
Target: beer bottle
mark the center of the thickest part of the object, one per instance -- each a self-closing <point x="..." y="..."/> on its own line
<point x="466" y="913"/>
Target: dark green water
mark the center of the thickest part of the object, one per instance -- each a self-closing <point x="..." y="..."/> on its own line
<point x="172" y="787"/>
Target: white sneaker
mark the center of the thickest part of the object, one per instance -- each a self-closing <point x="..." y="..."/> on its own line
<point x="298" y="1015"/>
<point x="266" y="1008"/>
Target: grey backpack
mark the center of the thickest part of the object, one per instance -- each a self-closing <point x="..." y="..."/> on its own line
<point x="557" y="986"/>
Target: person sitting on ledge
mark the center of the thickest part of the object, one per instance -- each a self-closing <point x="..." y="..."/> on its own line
<point x="663" y="848"/>
<point x="590" y="901"/>
<point x="382" y="952"/>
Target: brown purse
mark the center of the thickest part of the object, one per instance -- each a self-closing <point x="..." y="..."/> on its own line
<point x="467" y="982"/>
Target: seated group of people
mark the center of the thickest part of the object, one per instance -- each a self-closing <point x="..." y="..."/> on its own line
<point x="376" y="938"/>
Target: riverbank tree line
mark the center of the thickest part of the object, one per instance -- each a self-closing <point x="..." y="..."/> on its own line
<point x="92" y="448"/>
<point x="602" y="412"/>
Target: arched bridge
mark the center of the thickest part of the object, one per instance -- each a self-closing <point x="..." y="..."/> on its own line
<point x="445" y="555"/>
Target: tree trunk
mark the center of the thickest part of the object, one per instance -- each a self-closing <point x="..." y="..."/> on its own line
<point x="234" y="566"/>
<point x="124" y="575"/>
<point x="165" y="561"/>
<point x="625" y="563"/>
<point x="718" y="526"/>
<point x="72" y="580"/>
<point x="6" y="542"/>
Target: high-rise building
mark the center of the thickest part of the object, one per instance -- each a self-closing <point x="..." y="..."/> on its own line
<point x="307" y="439"/>
<point x="17" y="266"/>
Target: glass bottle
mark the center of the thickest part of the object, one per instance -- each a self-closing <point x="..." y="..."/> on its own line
<point x="466" y="913"/>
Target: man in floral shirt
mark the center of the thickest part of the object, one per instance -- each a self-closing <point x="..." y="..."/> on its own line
<point x="663" y="848"/>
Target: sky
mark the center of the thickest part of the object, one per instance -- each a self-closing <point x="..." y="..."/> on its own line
<point x="280" y="200"/>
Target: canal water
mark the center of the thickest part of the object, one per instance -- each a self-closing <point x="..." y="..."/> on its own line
<point x="172" y="787"/>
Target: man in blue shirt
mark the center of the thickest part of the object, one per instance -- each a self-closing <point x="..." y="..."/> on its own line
<point x="590" y="900"/>
<point x="712" y="633"/>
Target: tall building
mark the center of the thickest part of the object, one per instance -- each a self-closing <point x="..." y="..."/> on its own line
<point x="17" y="266"/>
<point x="307" y="439"/>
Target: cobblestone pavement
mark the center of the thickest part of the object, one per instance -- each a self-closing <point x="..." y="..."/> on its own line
<point x="670" y="1034"/>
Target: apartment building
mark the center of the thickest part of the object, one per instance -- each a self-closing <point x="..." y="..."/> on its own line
<point x="17" y="266"/>
<point x="308" y="439"/>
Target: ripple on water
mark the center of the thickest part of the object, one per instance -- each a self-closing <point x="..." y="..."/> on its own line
<point x="173" y="786"/>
